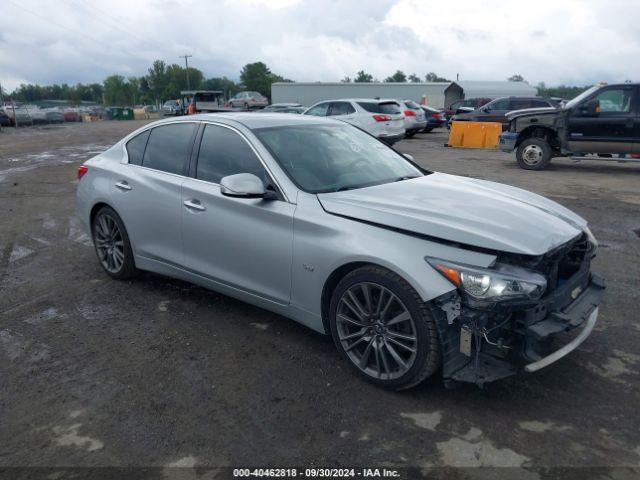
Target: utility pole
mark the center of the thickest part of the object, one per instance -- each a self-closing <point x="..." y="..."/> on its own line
<point x="186" y="64"/>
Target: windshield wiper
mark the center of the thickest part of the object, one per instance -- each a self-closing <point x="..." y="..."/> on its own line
<point x="406" y="177"/>
<point x="345" y="188"/>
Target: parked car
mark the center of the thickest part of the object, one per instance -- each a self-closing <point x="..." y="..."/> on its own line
<point x="495" y="110"/>
<point x="381" y="118"/>
<point x="435" y="118"/>
<point x="38" y="116"/>
<point x="248" y="100"/>
<point x="71" y="115"/>
<point x="414" y="118"/>
<point x="284" y="108"/>
<point x="54" y="115"/>
<point x="172" y="108"/>
<point x="604" y="120"/>
<point x="411" y="272"/>
<point x="467" y="104"/>
<point x="20" y="116"/>
<point x="5" y="120"/>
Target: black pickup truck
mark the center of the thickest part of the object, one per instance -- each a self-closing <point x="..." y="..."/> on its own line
<point x="603" y="121"/>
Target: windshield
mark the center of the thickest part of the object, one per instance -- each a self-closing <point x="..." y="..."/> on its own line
<point x="329" y="158"/>
<point x="582" y="96"/>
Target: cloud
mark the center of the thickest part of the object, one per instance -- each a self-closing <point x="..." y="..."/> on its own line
<point x="73" y="41"/>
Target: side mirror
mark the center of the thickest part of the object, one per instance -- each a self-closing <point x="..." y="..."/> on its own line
<point x="408" y="157"/>
<point x="590" y="108"/>
<point x="243" y="185"/>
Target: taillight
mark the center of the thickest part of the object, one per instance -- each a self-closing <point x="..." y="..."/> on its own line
<point x="409" y="113"/>
<point x="436" y="115"/>
<point x="382" y="118"/>
<point x="82" y="169"/>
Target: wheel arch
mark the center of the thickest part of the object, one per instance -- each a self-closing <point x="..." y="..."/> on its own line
<point x="539" y="131"/>
<point x="95" y="209"/>
<point x="439" y="286"/>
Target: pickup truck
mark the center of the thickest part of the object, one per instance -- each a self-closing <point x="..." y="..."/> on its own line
<point x="604" y="120"/>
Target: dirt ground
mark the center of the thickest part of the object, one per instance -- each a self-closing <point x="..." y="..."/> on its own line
<point x="160" y="373"/>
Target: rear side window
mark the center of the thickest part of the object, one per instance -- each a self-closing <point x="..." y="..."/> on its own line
<point x="224" y="152"/>
<point x="341" y="108"/>
<point x="136" y="146"/>
<point x="168" y="147"/>
<point x="390" y="108"/>
<point x="520" y="104"/>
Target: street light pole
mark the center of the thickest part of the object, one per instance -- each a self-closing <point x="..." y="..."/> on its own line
<point x="186" y="64"/>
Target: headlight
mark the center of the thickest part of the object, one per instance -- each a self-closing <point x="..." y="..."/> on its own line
<point x="502" y="283"/>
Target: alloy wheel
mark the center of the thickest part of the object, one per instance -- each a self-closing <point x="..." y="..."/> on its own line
<point x="376" y="331"/>
<point x="109" y="243"/>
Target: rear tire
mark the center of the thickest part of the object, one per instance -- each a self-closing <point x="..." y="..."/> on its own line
<point x="534" y="154"/>
<point x="409" y="134"/>
<point x="389" y="336"/>
<point x="112" y="244"/>
<point x="427" y="129"/>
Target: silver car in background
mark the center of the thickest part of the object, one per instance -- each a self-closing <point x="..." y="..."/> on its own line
<point x="410" y="271"/>
<point x="248" y="100"/>
<point x="414" y="118"/>
<point x="381" y="118"/>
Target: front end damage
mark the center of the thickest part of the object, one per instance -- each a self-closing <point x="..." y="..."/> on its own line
<point x="484" y="340"/>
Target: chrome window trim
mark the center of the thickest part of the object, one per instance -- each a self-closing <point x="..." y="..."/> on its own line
<point x="125" y="159"/>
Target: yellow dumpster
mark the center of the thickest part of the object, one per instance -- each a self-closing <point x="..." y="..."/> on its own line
<point x="474" y="134"/>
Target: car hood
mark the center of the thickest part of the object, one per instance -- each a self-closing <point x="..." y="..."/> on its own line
<point x="530" y="111"/>
<point x="463" y="210"/>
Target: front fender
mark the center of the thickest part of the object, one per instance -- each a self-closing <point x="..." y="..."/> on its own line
<point x="323" y="243"/>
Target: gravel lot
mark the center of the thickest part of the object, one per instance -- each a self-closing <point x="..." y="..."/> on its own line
<point x="160" y="373"/>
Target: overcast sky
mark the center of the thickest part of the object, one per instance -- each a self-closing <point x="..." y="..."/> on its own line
<point x="559" y="41"/>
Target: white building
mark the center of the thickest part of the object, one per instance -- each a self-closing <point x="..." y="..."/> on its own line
<point x="485" y="89"/>
<point x="307" y="93"/>
<point x="437" y="94"/>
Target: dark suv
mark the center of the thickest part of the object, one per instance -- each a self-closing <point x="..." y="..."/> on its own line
<point x="604" y="120"/>
<point x="495" y="110"/>
<point x="463" y="105"/>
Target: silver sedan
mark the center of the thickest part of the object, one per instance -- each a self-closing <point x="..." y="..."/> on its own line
<point x="410" y="271"/>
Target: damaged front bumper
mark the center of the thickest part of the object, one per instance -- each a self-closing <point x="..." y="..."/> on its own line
<point x="481" y="344"/>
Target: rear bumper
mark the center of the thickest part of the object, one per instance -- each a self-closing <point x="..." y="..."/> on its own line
<point x="391" y="137"/>
<point x="507" y="141"/>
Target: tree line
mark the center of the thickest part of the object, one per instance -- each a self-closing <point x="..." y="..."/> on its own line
<point x="399" y="76"/>
<point x="162" y="82"/>
<point x="165" y="81"/>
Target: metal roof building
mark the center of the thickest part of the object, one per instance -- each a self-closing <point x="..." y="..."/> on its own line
<point x="437" y="94"/>
<point x="488" y="89"/>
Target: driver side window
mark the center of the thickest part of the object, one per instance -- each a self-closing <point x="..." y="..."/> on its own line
<point x="224" y="152"/>
<point x="499" y="104"/>
<point x="319" y="110"/>
<point x="615" y="100"/>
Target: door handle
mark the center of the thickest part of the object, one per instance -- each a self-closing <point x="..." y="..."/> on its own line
<point x="194" y="205"/>
<point x="122" y="185"/>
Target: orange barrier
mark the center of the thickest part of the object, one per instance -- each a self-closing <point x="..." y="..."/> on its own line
<point x="474" y="134"/>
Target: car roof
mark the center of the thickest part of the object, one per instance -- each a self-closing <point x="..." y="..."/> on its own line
<point x="253" y="120"/>
<point x="373" y="100"/>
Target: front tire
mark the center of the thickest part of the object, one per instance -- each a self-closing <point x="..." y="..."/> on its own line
<point x="534" y="154"/>
<point x="381" y="326"/>
<point x="112" y="244"/>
